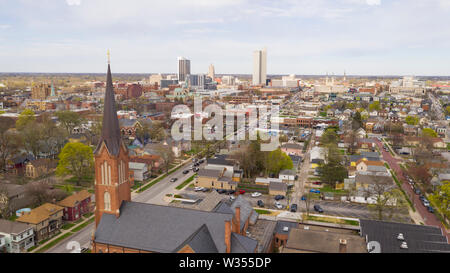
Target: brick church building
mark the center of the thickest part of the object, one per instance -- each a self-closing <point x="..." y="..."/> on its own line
<point x="123" y="226"/>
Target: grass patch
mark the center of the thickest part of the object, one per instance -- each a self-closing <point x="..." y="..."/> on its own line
<point x="189" y="180"/>
<point x="13" y="217"/>
<point x="149" y="185"/>
<point x="80" y="227"/>
<point x="328" y="188"/>
<point x="262" y="211"/>
<point x="54" y="242"/>
<point x="401" y="189"/>
<point x="68" y="226"/>
<point x="332" y="220"/>
<point x="87" y="215"/>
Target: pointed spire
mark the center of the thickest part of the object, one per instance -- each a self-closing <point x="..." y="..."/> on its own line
<point x="110" y="129"/>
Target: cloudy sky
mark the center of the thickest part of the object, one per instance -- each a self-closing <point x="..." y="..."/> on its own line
<point x="363" y="37"/>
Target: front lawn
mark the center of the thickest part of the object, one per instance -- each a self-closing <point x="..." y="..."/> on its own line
<point x="189" y="180"/>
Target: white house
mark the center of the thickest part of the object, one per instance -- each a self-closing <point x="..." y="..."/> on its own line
<point x="15" y="237"/>
<point x="287" y="175"/>
<point x="140" y="170"/>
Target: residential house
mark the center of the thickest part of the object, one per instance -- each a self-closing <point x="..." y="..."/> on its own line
<point x="362" y="165"/>
<point x="140" y="170"/>
<point x="15" y="237"/>
<point x="45" y="220"/>
<point x="215" y="179"/>
<point x="76" y="205"/>
<point x="128" y="127"/>
<point x="292" y="149"/>
<point x="277" y="188"/>
<point x="15" y="197"/>
<point x="40" y="167"/>
<point x="287" y="176"/>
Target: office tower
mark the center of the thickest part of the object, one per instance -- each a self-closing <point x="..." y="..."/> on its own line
<point x="259" y="67"/>
<point x="211" y="72"/>
<point x="184" y="68"/>
<point x="40" y="91"/>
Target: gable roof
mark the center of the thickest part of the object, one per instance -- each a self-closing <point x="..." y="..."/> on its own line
<point x="74" y="198"/>
<point x="165" y="228"/>
<point x="200" y="241"/>
<point x="39" y="214"/>
<point x="247" y="211"/>
<point x="11" y="227"/>
<point x="242" y="244"/>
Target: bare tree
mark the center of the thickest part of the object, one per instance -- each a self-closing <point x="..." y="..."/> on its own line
<point x="167" y="156"/>
<point x="387" y="199"/>
<point x="5" y="204"/>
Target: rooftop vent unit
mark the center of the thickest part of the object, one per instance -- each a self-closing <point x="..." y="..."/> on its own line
<point x="306" y="228"/>
<point x="285" y="229"/>
<point x="400" y="237"/>
<point x="404" y="245"/>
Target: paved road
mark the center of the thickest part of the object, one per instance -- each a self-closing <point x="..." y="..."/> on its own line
<point x="429" y="218"/>
<point x="154" y="195"/>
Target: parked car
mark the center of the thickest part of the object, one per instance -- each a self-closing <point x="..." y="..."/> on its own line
<point x="231" y="191"/>
<point x="317" y="183"/>
<point x="199" y="189"/>
<point x="256" y="194"/>
<point x="241" y="192"/>
<point x="84" y="250"/>
<point x="314" y="191"/>
<point x="201" y="161"/>
<point x="426" y="203"/>
<point x="185" y="171"/>
<point x="430" y="209"/>
<point x="294" y="208"/>
<point x="196" y="169"/>
<point x="173" y="179"/>
<point x="318" y="208"/>
<point x="221" y="191"/>
<point x="304" y="198"/>
<point x="278" y="205"/>
<point x="279" y="197"/>
<point x="232" y="198"/>
<point x="260" y="203"/>
<point x="417" y="191"/>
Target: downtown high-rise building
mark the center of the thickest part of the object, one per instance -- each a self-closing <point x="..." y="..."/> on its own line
<point x="211" y="72"/>
<point x="259" y="67"/>
<point x="184" y="68"/>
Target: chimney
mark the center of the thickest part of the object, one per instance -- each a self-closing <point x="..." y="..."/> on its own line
<point x="228" y="236"/>
<point x="237" y="220"/>
<point x="342" y="246"/>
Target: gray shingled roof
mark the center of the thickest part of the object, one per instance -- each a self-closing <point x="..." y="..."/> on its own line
<point x="201" y="241"/>
<point x="420" y="239"/>
<point x="158" y="228"/>
<point x="242" y="244"/>
<point x="247" y="210"/>
<point x="209" y="173"/>
<point x="11" y="227"/>
<point x="279" y="229"/>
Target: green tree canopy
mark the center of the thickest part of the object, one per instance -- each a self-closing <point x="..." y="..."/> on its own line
<point x="329" y="137"/>
<point x="441" y="198"/>
<point x="412" y="120"/>
<point x="27" y="116"/>
<point x="76" y="159"/>
<point x="374" y="106"/>
<point x="69" y="120"/>
<point x="277" y="160"/>
<point x="332" y="170"/>
<point x="428" y="132"/>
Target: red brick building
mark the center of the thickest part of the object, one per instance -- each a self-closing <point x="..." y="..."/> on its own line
<point x="76" y="205"/>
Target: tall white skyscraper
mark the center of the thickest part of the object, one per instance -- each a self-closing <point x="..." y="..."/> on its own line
<point x="211" y="72"/>
<point x="184" y="68"/>
<point x="259" y="67"/>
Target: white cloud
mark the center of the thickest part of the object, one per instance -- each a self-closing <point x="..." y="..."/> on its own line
<point x="373" y="2"/>
<point x="73" y="2"/>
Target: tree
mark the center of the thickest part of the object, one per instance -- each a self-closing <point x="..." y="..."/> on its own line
<point x="277" y="160"/>
<point x="157" y="132"/>
<point x="441" y="198"/>
<point x="167" y="156"/>
<point x="5" y="204"/>
<point x="329" y="137"/>
<point x="69" y="120"/>
<point x="9" y="143"/>
<point x="357" y="121"/>
<point x="31" y="136"/>
<point x="421" y="174"/>
<point x="53" y="137"/>
<point x="332" y="170"/>
<point x="26" y="117"/>
<point x="410" y="120"/>
<point x="352" y="141"/>
<point x="387" y="199"/>
<point x="76" y="159"/>
<point x="428" y="132"/>
<point x="374" y="106"/>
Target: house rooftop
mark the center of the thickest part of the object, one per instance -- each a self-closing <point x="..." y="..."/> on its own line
<point x="72" y="200"/>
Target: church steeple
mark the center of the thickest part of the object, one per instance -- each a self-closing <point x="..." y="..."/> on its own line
<point x="110" y="130"/>
<point x="112" y="178"/>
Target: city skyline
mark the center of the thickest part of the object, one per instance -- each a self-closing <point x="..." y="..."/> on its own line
<point x="363" y="37"/>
